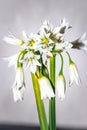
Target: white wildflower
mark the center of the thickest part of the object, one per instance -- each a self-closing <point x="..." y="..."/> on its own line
<point x="80" y="43"/>
<point x="13" y="40"/>
<point x="61" y="86"/>
<point x="74" y="76"/>
<point x="47" y="27"/>
<point x="63" y="45"/>
<point x="46" y="44"/>
<point x="32" y="61"/>
<point x="18" y="87"/>
<point x="64" y="26"/>
<point x="32" y="41"/>
<point x="45" y="88"/>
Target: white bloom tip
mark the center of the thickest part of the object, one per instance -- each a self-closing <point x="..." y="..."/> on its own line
<point x="74" y="76"/>
<point x="18" y="87"/>
<point x="46" y="88"/>
<point x="61" y="86"/>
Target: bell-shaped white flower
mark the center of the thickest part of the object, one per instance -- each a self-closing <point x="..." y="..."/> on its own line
<point x="45" y="88"/>
<point x="61" y="86"/>
<point x="13" y="40"/>
<point x="18" y="94"/>
<point x="18" y="87"/>
<point x="74" y="76"/>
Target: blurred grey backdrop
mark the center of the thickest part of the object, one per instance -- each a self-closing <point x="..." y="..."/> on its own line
<point x="28" y="15"/>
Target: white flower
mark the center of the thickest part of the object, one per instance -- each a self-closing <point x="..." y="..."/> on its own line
<point x="83" y="42"/>
<point x="44" y="38"/>
<point x="63" y="45"/>
<point x="56" y="35"/>
<point x="46" y="44"/>
<point x="61" y="86"/>
<point x="80" y="43"/>
<point x="83" y="39"/>
<point x="31" y="41"/>
<point x="46" y="51"/>
<point x="45" y="88"/>
<point x="68" y="45"/>
<point x="18" y="87"/>
<point x="64" y="26"/>
<point x="12" y="60"/>
<point x="13" y="40"/>
<point x="47" y="27"/>
<point x="74" y="76"/>
<point x="31" y="61"/>
<point x="52" y="32"/>
<point x="58" y="32"/>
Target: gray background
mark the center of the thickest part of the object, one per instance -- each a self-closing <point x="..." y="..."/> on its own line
<point x="18" y="15"/>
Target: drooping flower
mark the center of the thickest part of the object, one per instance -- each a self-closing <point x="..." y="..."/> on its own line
<point x="45" y="88"/>
<point x="80" y="43"/>
<point x="60" y="81"/>
<point x="31" y="61"/>
<point x="18" y="87"/>
<point x="61" y="86"/>
<point x="74" y="76"/>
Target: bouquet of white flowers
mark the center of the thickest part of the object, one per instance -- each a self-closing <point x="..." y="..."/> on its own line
<point x="38" y="53"/>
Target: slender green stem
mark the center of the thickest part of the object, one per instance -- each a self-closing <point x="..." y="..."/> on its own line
<point x="52" y="102"/>
<point x="70" y="60"/>
<point x="62" y="62"/>
<point x="40" y="104"/>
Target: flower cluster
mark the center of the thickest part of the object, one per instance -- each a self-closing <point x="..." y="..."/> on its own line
<point x="36" y="51"/>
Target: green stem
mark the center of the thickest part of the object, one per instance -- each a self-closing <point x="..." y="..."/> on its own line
<point x="62" y="62"/>
<point x="70" y="60"/>
<point x="52" y="102"/>
<point x="40" y="104"/>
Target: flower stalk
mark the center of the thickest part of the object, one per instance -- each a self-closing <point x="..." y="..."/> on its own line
<point x="60" y="81"/>
<point x="74" y="75"/>
<point x="52" y="105"/>
<point x="40" y="104"/>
